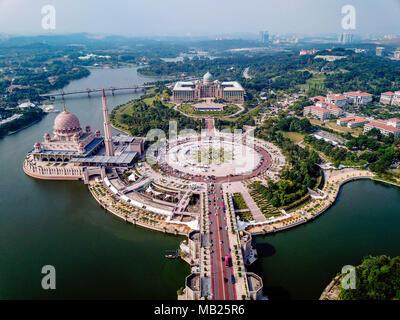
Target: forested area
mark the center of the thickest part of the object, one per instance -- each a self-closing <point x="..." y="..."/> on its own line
<point x="303" y="172"/>
<point x="377" y="278"/>
<point x="377" y="150"/>
<point x="27" y="118"/>
<point x="141" y="117"/>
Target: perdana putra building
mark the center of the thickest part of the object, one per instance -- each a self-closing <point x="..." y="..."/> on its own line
<point x="73" y="154"/>
<point x="189" y="91"/>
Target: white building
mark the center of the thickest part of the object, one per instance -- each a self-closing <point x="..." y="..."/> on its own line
<point x="386" y="97"/>
<point x="358" y="97"/>
<point x="396" y="99"/>
<point x="338" y="100"/>
<point x="386" y="127"/>
<point x="26" y="105"/>
<point x="321" y="113"/>
<point x="352" y="122"/>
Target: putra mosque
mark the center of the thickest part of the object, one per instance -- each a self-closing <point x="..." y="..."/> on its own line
<point x="71" y="153"/>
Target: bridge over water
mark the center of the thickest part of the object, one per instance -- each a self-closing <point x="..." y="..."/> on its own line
<point x="88" y="91"/>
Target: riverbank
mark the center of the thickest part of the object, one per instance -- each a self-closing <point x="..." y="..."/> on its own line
<point x="313" y="208"/>
<point x="332" y="291"/>
<point x="25" y="127"/>
<point x="134" y="215"/>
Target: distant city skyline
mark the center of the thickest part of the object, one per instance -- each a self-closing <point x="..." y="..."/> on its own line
<point x="198" y="18"/>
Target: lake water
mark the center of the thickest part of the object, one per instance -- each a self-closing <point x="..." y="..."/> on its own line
<point x="58" y="223"/>
<point x="300" y="263"/>
<point x="99" y="256"/>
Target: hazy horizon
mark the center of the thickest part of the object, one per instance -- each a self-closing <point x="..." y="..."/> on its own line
<point x="198" y="18"/>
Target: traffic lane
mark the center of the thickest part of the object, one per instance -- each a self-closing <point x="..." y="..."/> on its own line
<point x="218" y="281"/>
<point x="219" y="250"/>
<point x="228" y="286"/>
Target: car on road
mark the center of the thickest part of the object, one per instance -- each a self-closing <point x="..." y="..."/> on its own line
<point x="233" y="278"/>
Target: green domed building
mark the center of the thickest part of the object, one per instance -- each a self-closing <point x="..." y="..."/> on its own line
<point x="187" y="91"/>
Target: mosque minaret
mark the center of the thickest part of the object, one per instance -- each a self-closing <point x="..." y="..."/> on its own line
<point x="107" y="129"/>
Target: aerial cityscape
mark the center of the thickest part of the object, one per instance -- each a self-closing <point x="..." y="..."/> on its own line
<point x="158" y="156"/>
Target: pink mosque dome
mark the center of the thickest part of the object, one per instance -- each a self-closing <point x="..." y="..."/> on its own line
<point x="66" y="121"/>
<point x="37" y="144"/>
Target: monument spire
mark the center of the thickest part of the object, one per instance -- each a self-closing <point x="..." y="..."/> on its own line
<point x="107" y="129"/>
<point x="64" y="108"/>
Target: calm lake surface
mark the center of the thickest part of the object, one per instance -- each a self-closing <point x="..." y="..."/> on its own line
<point x="99" y="256"/>
<point x="300" y="263"/>
<point x="59" y="223"/>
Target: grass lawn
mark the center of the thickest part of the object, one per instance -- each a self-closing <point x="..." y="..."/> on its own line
<point x="296" y="137"/>
<point x="149" y="102"/>
<point x="316" y="81"/>
<point x="334" y="126"/>
<point x="238" y="202"/>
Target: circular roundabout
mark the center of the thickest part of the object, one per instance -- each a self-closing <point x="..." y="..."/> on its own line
<point x="213" y="158"/>
<point x="216" y="158"/>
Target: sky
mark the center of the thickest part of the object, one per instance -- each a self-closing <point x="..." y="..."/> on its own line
<point x="198" y="17"/>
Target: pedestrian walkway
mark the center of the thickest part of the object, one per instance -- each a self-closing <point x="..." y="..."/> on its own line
<point x="238" y="187"/>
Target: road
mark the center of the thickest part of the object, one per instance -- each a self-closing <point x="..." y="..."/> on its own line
<point x="246" y="73"/>
<point x="221" y="276"/>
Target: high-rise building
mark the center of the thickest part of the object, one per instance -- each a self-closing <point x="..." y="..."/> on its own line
<point x="380" y="51"/>
<point x="345" y="38"/>
<point x="264" y="36"/>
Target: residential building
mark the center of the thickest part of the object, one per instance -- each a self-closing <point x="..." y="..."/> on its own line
<point x="335" y="110"/>
<point x="394" y="122"/>
<point x="379" y="51"/>
<point x="264" y="36"/>
<point x="396" y="99"/>
<point x="318" y="98"/>
<point x="386" y="127"/>
<point x="358" y="97"/>
<point x="321" y="113"/>
<point x="304" y="52"/>
<point x="337" y="99"/>
<point x="352" y="122"/>
<point x="386" y="97"/>
<point x="345" y="38"/>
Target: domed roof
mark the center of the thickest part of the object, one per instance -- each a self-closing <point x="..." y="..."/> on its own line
<point x="66" y="121"/>
<point x="208" y="76"/>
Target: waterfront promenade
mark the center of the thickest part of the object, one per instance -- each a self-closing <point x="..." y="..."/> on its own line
<point x="313" y="208"/>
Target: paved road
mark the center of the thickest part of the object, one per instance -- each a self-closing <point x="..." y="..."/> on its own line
<point x="221" y="276"/>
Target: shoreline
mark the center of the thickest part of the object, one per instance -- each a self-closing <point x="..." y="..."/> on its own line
<point x="23" y="128"/>
<point x="320" y="212"/>
<point x="135" y="222"/>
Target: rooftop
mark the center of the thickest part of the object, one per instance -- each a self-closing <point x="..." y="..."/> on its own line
<point x="381" y="125"/>
<point x="317" y="108"/>
<point x="358" y="93"/>
<point x="124" y="158"/>
<point x="336" y="97"/>
<point x="319" y="98"/>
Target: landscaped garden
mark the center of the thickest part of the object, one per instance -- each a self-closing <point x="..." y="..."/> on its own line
<point x="228" y="110"/>
<point x="262" y="203"/>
